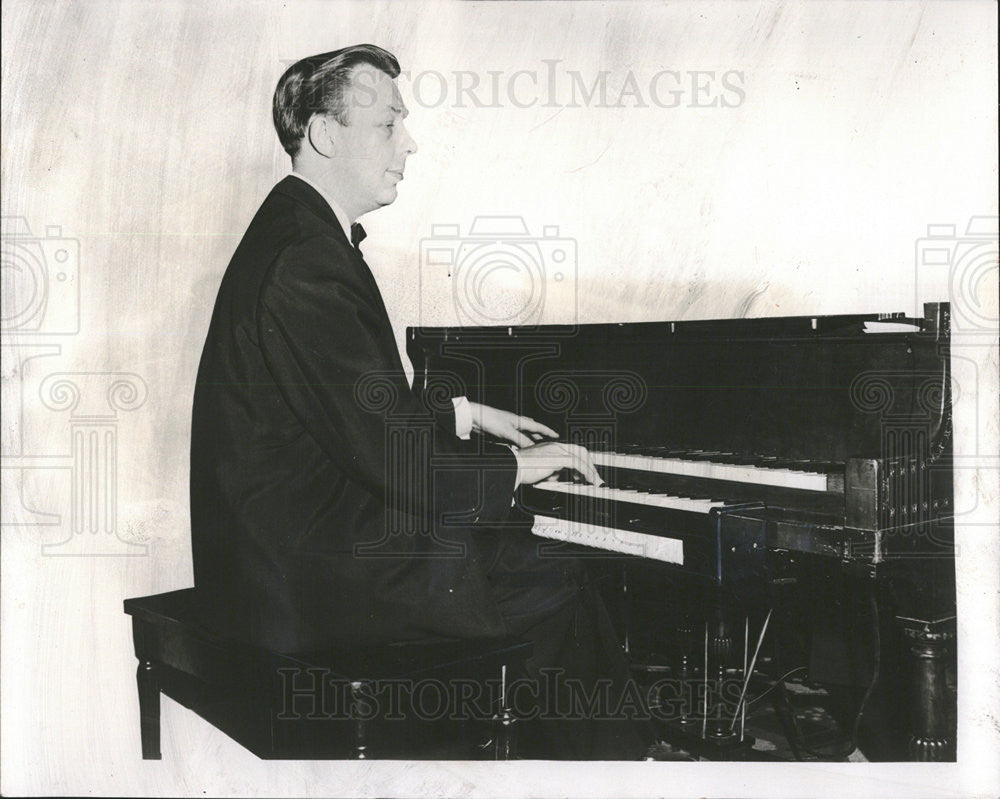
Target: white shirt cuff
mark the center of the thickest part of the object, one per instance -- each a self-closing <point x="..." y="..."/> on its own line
<point x="517" y="478"/>
<point x="463" y="417"/>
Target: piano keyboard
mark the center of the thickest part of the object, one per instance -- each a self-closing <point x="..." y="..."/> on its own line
<point x="669" y="550"/>
<point x="705" y="484"/>
<point x="711" y="470"/>
<point x="654" y="499"/>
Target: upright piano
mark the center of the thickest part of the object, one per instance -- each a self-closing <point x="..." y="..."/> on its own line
<point x="793" y="472"/>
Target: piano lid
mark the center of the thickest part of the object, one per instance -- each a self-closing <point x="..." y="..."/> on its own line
<point x="810" y="388"/>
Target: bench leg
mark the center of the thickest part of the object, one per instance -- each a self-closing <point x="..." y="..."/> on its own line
<point x="149" y="710"/>
<point x="360" y="725"/>
<point x="505" y="733"/>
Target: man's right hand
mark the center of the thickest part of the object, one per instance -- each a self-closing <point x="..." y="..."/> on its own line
<point x="539" y="461"/>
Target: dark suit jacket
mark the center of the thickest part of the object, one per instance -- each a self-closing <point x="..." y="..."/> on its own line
<point x="308" y="443"/>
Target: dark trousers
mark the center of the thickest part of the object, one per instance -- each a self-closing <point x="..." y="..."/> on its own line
<point x="576" y="693"/>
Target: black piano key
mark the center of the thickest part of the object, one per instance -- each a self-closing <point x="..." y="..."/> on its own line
<point x="738" y="460"/>
<point x="657" y="451"/>
<point x="700" y="456"/>
<point x="826" y="467"/>
<point x="794" y="465"/>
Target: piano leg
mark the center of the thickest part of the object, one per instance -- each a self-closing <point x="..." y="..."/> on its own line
<point x="786" y="718"/>
<point x="626" y="614"/>
<point x="686" y="676"/>
<point x="720" y="650"/>
<point x="705" y="725"/>
<point x="932" y="737"/>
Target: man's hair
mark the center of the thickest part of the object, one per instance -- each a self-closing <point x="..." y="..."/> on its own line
<point x="318" y="85"/>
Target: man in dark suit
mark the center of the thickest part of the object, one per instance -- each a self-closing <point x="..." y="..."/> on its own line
<point x="297" y="483"/>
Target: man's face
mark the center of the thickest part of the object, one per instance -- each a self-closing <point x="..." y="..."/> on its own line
<point x="370" y="151"/>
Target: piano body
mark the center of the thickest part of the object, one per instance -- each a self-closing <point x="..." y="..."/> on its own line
<point x="793" y="472"/>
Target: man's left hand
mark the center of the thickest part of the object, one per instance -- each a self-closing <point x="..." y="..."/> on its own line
<point x="522" y="431"/>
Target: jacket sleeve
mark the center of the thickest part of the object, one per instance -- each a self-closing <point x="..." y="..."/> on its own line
<point x="329" y="347"/>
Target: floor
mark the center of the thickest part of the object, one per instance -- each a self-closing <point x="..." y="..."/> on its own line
<point x="814" y="735"/>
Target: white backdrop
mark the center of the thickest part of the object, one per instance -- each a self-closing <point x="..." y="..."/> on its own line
<point x="789" y="162"/>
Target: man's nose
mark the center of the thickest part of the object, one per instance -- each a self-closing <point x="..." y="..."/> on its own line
<point x="408" y="145"/>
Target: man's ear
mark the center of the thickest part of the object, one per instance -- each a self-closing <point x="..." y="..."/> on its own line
<point x="320" y="136"/>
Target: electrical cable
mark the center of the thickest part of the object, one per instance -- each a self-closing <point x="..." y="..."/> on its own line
<point x="781" y="679"/>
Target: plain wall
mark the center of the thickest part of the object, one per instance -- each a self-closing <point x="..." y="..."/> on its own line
<point x="143" y="131"/>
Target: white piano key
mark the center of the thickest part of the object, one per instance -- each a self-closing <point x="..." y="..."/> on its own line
<point x="784" y="478"/>
<point x="669" y="550"/>
<point x="623" y="495"/>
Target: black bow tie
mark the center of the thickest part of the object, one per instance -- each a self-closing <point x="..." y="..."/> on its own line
<point x="357" y="235"/>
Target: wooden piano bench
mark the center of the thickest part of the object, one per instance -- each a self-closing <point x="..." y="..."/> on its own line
<point x="438" y="698"/>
